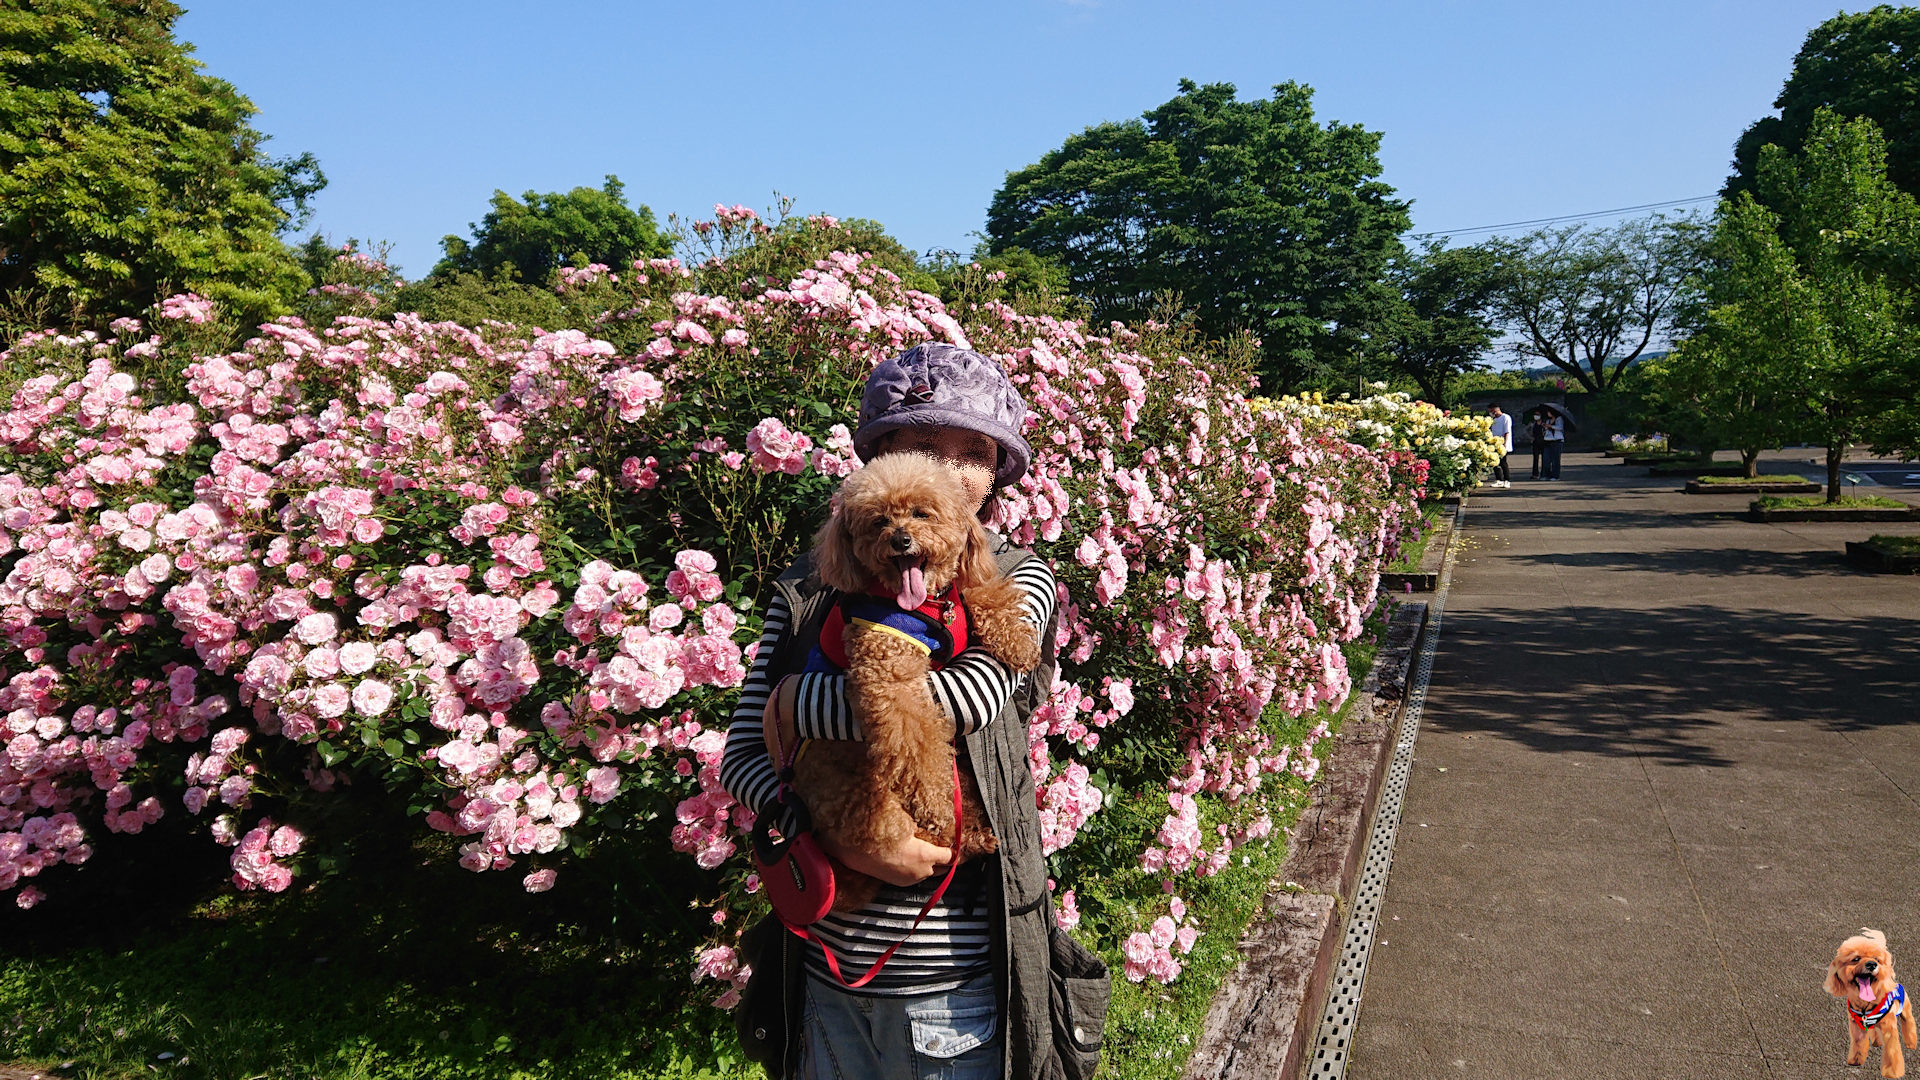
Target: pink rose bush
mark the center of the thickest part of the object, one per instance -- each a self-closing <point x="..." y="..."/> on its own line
<point x="515" y="576"/>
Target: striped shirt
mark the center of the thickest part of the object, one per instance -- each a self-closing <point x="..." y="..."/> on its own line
<point x="953" y="942"/>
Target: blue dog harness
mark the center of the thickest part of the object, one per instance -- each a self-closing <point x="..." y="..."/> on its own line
<point x="1891" y="1005"/>
<point x="939" y="626"/>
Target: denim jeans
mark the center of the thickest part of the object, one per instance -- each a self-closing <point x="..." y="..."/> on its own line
<point x="1552" y="467"/>
<point x="950" y="1035"/>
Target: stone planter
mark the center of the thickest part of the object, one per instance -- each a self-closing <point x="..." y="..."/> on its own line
<point x="1427" y="577"/>
<point x="1694" y="487"/>
<point x="1864" y="556"/>
<point x="1755" y="513"/>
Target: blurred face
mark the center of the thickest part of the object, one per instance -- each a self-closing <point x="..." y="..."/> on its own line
<point x="971" y="455"/>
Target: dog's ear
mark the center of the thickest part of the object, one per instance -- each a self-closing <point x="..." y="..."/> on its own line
<point x="977" y="564"/>
<point x="1834" y="985"/>
<point x="833" y="557"/>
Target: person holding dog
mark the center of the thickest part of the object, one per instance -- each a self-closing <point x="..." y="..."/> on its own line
<point x="971" y="990"/>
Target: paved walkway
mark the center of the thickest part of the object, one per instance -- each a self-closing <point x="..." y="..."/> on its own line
<point x="1669" y="759"/>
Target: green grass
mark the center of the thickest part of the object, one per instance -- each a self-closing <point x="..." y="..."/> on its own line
<point x="1781" y="478"/>
<point x="1819" y="502"/>
<point x="1411" y="555"/>
<point x="1895" y="545"/>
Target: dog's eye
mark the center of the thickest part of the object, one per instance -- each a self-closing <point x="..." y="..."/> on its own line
<point x="921" y="514"/>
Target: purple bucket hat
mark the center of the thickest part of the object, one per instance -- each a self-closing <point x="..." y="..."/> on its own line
<point x="945" y="386"/>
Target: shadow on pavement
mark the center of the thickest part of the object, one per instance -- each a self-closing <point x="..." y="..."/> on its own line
<point x="1488" y="517"/>
<point x="1662" y="683"/>
<point x="1713" y="562"/>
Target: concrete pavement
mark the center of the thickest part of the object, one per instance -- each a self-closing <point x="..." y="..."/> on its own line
<point x="1669" y="759"/>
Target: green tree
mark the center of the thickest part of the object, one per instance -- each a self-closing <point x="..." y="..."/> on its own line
<point x="126" y="173"/>
<point x="1830" y="204"/>
<point x="1443" y="326"/>
<point x="529" y="238"/>
<point x="1259" y="217"/>
<point x="1861" y="64"/>
<point x="1590" y="300"/>
<point x="1040" y="282"/>
<point x="1737" y="381"/>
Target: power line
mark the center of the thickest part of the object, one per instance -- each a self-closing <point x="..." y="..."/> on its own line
<point x="1563" y="217"/>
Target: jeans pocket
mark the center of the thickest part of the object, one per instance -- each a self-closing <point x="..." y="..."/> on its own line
<point x="948" y="1025"/>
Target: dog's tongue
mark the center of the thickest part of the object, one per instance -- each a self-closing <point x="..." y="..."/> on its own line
<point x="913" y="587"/>
<point x="1866" y="989"/>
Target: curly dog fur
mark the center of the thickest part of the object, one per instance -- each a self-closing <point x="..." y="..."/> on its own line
<point x="1864" y="959"/>
<point x="902" y="510"/>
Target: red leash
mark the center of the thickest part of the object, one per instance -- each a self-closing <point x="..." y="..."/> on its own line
<point x="833" y="964"/>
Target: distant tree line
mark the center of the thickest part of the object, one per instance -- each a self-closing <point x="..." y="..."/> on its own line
<point x="127" y="174"/>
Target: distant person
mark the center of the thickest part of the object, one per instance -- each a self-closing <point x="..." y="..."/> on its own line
<point x="1502" y="428"/>
<point x="1555" y="441"/>
<point x="1537" y="433"/>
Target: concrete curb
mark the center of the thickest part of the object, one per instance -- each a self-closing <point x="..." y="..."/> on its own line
<point x="1263" y="1020"/>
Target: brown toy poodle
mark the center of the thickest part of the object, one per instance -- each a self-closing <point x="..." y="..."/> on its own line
<point x="903" y="536"/>
<point x="1862" y="975"/>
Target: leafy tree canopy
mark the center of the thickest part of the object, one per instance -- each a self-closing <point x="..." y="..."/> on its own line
<point x="1865" y="64"/>
<point x="1736" y="382"/>
<point x="1590" y="300"/>
<point x="530" y="237"/>
<point x="1801" y="312"/>
<point x="126" y="173"/>
<point x="1443" y="326"/>
<point x="1262" y="219"/>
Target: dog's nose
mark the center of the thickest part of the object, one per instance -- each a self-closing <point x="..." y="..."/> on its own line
<point x="1870" y="966"/>
<point x="902" y="542"/>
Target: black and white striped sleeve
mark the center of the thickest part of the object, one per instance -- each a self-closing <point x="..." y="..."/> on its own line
<point x="972" y="689"/>
<point x="746" y="771"/>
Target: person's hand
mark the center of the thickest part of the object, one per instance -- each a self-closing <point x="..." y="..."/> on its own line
<point x="777" y="728"/>
<point x="912" y="862"/>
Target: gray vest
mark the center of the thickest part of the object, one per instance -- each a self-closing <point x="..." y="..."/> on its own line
<point x="1023" y="937"/>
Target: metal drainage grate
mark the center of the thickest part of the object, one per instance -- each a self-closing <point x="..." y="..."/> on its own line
<point x="1343" y="999"/>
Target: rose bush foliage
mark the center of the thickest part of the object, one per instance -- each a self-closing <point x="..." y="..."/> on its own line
<point x="512" y="576"/>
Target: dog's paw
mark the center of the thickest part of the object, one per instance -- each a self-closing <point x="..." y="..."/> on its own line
<point x="1011" y="640"/>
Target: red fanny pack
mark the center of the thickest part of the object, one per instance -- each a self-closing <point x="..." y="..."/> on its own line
<point x="798" y="876"/>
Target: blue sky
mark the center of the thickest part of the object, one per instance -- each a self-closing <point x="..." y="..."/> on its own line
<point x="913" y="113"/>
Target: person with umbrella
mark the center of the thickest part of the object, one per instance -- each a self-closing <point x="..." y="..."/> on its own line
<point x="1537" y="433"/>
<point x="1554" y="439"/>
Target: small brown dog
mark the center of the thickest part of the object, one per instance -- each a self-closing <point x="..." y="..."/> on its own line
<point x="904" y="536"/>
<point x="1862" y="975"/>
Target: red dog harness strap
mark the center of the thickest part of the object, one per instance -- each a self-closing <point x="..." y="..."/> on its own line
<point x="1891" y="1005"/>
<point x="833" y="964"/>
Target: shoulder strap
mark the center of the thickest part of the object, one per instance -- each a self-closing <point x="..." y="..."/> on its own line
<point x="809" y="601"/>
<point x="1040" y="683"/>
